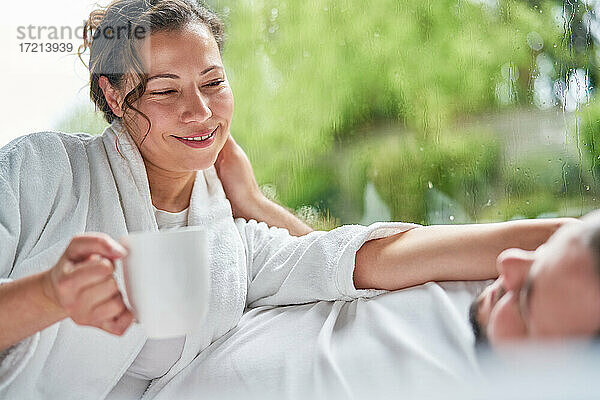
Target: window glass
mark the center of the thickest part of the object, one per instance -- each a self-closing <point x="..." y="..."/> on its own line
<point x="445" y="111"/>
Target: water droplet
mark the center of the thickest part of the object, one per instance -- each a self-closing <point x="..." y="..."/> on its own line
<point x="452" y="218"/>
<point x="587" y="187"/>
<point x="430" y="185"/>
<point x="535" y="41"/>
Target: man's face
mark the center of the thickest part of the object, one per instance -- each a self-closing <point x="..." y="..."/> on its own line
<point x="548" y="293"/>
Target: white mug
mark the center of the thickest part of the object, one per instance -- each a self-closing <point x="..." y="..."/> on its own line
<point x="167" y="278"/>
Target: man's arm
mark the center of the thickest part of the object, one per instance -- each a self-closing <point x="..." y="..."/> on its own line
<point x="445" y="252"/>
<point x="247" y="201"/>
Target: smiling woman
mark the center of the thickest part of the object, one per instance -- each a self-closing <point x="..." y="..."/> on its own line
<point x="170" y="91"/>
<point x="182" y="120"/>
<point x="184" y="103"/>
<point x="168" y="161"/>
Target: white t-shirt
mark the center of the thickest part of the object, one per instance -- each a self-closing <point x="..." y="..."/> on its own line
<point x="169" y="221"/>
<point x="158" y="355"/>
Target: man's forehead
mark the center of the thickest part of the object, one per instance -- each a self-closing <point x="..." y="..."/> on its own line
<point x="565" y="247"/>
<point x="563" y="274"/>
<point x="568" y="233"/>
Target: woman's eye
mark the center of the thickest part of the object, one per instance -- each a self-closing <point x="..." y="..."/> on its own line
<point x="163" y="92"/>
<point x="215" y="83"/>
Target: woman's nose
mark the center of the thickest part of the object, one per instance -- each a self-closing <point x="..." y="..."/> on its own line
<point x="196" y="108"/>
<point x="513" y="265"/>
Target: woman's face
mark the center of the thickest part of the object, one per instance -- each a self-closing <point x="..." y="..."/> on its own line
<point x="188" y="101"/>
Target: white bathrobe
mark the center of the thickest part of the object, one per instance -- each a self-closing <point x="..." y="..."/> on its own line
<point x="54" y="186"/>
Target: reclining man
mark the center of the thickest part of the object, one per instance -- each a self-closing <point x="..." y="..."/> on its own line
<point x="548" y="293"/>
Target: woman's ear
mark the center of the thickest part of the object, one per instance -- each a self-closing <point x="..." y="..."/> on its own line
<point x="112" y="96"/>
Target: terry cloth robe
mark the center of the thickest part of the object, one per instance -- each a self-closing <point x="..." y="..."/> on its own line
<point x="54" y="186"/>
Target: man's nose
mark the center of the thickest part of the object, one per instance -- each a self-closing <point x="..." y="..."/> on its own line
<point x="513" y="265"/>
<point x="196" y="108"/>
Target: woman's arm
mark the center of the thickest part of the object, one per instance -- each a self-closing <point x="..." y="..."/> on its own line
<point x="247" y="201"/>
<point x="445" y="252"/>
<point x="275" y="215"/>
<point x="25" y="309"/>
<point x="81" y="286"/>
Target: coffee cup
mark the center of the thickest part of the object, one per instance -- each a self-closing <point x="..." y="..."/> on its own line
<point x="167" y="279"/>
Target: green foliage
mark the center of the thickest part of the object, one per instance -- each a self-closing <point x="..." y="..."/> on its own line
<point x="462" y="166"/>
<point x="589" y="134"/>
<point x="560" y="176"/>
<point x="542" y="184"/>
<point x="530" y="206"/>
<point x="309" y="73"/>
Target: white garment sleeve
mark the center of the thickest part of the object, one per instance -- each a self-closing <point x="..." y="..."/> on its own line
<point x="13" y="359"/>
<point x="10" y="228"/>
<point x="285" y="269"/>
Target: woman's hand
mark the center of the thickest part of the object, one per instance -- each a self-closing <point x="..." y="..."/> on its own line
<point x="237" y="177"/>
<point x="247" y="201"/>
<point x="83" y="285"/>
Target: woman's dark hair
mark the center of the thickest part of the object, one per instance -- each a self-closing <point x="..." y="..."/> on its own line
<point x="112" y="34"/>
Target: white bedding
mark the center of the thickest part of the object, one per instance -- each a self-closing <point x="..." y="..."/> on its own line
<point x="408" y="343"/>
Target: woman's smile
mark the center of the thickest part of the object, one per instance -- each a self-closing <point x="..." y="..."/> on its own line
<point x="198" y="140"/>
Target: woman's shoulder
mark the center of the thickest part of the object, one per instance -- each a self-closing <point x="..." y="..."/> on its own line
<point x="44" y="140"/>
<point x="45" y="150"/>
